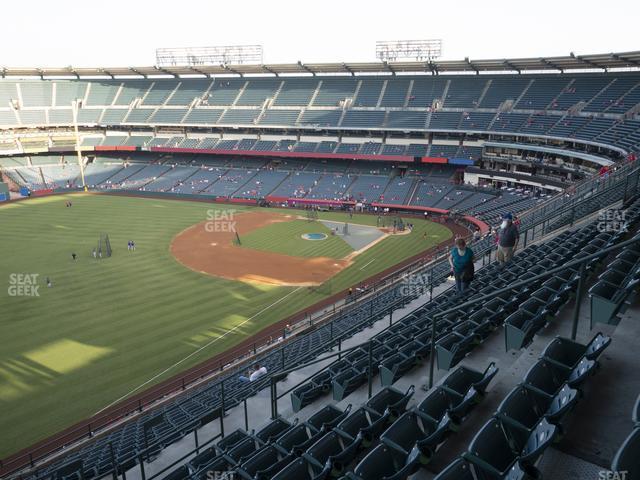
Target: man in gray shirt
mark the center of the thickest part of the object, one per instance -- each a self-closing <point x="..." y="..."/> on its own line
<point x="508" y="237"/>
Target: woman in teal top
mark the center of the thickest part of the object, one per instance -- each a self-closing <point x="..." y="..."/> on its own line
<point x="459" y="259"/>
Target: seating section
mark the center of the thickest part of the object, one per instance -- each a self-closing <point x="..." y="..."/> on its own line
<point x="389" y="439"/>
<point x="531" y="416"/>
<point x="620" y="278"/>
<point x="566" y="106"/>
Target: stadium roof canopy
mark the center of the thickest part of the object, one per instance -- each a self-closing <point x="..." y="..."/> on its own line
<point x="603" y="61"/>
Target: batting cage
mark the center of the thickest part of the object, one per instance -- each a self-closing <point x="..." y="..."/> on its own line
<point x="104" y="247"/>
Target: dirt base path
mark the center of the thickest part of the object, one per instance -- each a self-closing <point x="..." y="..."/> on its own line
<point x="205" y="250"/>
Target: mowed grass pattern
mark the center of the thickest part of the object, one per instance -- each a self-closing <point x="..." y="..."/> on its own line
<point x="286" y="238"/>
<point x="107" y="327"/>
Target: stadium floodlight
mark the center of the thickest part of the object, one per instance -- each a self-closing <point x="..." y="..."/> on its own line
<point x="420" y="50"/>
<point x="221" y="55"/>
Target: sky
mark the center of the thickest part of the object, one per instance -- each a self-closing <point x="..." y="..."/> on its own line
<point x="107" y="33"/>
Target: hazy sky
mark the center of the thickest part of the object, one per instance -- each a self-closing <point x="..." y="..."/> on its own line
<point x="126" y="33"/>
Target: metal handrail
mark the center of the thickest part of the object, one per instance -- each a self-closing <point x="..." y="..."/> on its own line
<point x="523" y="283"/>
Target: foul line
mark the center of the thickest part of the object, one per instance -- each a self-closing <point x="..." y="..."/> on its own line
<point x="196" y="351"/>
<point x="367" y="264"/>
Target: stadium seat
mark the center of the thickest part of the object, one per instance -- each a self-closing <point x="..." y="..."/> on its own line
<point x="394" y="367"/>
<point x="452" y="348"/>
<point x="347" y="381"/>
<point x="520" y="327"/>
<point x="364" y="423"/>
<point x="231" y="440"/>
<point x="626" y="458"/>
<point x="272" y="430"/>
<point x="204" y="458"/>
<point x="305" y="395"/>
<point x="523" y="408"/>
<point x="390" y="400"/>
<point x="301" y="469"/>
<point x="242" y="451"/>
<point x="548" y="378"/>
<point x="384" y="463"/>
<point x="565" y="352"/>
<point x="459" y="469"/>
<point x="266" y="462"/>
<point x="635" y="415"/>
<point x="328" y="417"/>
<point x="468" y="386"/>
<point x="412" y="431"/>
<point x="440" y="403"/>
<point x="180" y="473"/>
<point x="332" y="450"/>
<point x="497" y="448"/>
<point x="297" y="439"/>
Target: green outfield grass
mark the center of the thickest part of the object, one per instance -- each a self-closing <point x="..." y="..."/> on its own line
<point x="107" y="326"/>
<point x="286" y="238"/>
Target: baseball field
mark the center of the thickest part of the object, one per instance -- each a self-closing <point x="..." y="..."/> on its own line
<point x="77" y="335"/>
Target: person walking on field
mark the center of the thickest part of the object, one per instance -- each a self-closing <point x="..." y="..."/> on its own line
<point x="508" y="238"/>
<point x="461" y="260"/>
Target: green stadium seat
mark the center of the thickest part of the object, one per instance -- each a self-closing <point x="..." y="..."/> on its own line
<point x="626" y="458"/>
<point x="334" y="451"/>
<point x="364" y="423"/>
<point x="266" y="462"/>
<point x="272" y="430"/>
<point x="498" y="449"/>
<point x="301" y="469"/>
<point x="459" y="469"/>
<point x="390" y="400"/>
<point x="413" y="431"/>
<point x="568" y="353"/>
<point x="384" y="463"/>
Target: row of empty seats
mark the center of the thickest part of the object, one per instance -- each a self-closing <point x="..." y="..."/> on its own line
<point x="531" y="416"/>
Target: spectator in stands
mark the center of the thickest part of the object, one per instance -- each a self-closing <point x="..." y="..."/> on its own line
<point x="508" y="238"/>
<point x="258" y="372"/>
<point x="461" y="261"/>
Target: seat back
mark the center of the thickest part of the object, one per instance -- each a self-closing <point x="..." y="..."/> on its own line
<point x="626" y="458"/>
<point x="380" y="463"/>
<point x="272" y="430"/>
<point x="520" y="408"/>
<point x="296" y="470"/>
<point x="541" y="377"/>
<point x="232" y="439"/>
<point x="328" y="445"/>
<point x="459" y="469"/>
<point x="328" y="417"/>
<point x="491" y="446"/>
<point x="403" y="434"/>
<point x="436" y="404"/>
